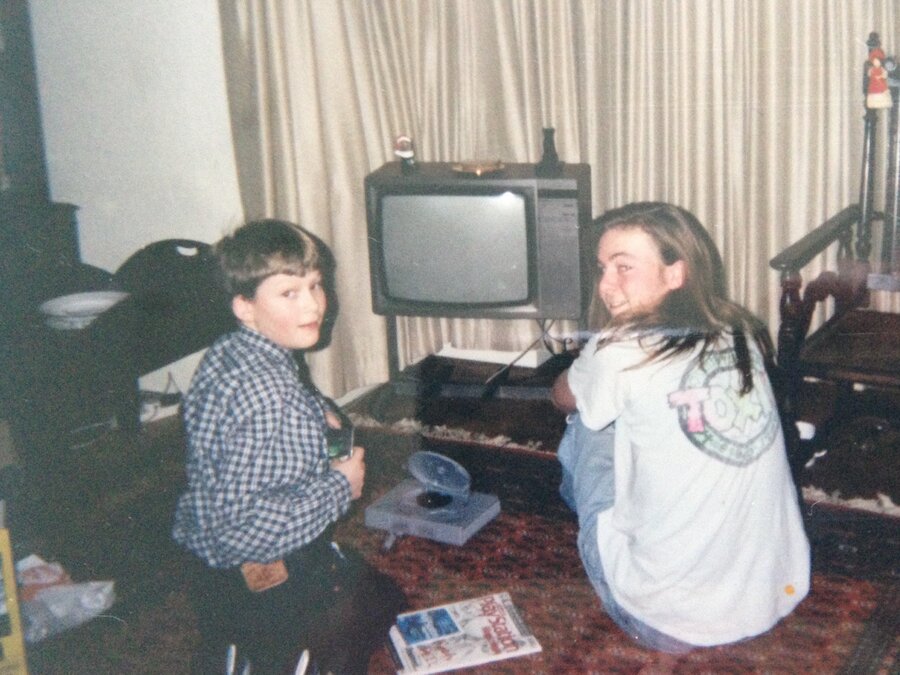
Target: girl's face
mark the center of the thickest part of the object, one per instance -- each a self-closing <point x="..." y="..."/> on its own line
<point x="288" y="309"/>
<point x="632" y="274"/>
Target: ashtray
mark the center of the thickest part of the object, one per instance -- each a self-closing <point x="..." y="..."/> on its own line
<point x="479" y="167"/>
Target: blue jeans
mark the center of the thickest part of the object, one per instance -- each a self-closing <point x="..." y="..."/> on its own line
<point x="588" y="488"/>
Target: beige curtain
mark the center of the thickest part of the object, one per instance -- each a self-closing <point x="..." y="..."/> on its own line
<point x="748" y="113"/>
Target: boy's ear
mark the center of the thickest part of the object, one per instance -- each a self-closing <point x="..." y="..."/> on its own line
<point x="676" y="275"/>
<point x="242" y="309"/>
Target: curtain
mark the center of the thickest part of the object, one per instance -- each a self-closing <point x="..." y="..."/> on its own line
<point x="747" y="113"/>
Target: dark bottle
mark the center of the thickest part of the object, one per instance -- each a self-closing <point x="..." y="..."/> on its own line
<point x="549" y="164"/>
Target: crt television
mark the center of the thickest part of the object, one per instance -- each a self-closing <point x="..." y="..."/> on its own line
<point x="505" y="245"/>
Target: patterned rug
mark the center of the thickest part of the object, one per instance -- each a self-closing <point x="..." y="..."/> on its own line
<point x="112" y="509"/>
<point x="848" y="623"/>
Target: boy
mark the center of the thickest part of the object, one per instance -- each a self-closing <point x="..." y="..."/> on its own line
<point x="674" y="459"/>
<point x="262" y="492"/>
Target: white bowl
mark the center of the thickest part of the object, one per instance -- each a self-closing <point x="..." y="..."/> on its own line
<point x="78" y="310"/>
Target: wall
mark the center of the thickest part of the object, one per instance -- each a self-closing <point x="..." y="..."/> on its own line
<point x="136" y="125"/>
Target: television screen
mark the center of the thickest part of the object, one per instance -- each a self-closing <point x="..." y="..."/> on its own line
<point x="425" y="238"/>
<point x="505" y="245"/>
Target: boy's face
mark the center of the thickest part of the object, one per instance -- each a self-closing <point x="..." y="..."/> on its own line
<point x="286" y="308"/>
<point x="633" y="276"/>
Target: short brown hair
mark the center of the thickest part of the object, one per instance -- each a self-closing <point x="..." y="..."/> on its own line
<point x="260" y="248"/>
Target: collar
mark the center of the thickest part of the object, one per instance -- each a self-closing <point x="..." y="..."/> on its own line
<point x="260" y="343"/>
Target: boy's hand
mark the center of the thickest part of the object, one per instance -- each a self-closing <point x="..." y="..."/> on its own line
<point x="332" y="419"/>
<point x="354" y="470"/>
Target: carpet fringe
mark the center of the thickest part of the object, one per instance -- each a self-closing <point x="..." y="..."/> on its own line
<point x="882" y="503"/>
<point x="442" y="432"/>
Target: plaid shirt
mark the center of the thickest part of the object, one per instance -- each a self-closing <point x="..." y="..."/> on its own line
<point x="259" y="480"/>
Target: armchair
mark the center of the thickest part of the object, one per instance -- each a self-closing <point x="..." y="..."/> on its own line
<point x="857" y="349"/>
<point x="176" y="306"/>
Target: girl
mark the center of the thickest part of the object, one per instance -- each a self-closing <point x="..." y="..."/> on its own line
<point x="674" y="459"/>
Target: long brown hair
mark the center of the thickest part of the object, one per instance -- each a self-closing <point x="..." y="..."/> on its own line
<point x="699" y="312"/>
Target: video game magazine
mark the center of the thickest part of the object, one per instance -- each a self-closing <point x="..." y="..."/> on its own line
<point x="461" y="634"/>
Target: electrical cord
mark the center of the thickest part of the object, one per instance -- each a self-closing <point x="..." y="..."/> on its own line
<point x="91" y="433"/>
<point x="571" y="344"/>
<point x="152" y="402"/>
<point x="505" y="368"/>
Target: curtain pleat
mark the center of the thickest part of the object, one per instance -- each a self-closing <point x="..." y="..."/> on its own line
<point x="747" y="113"/>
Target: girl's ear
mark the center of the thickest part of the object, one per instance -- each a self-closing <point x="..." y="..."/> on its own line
<point x="243" y="309"/>
<point x="675" y="275"/>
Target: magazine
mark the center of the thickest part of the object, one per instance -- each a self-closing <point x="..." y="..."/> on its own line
<point x="461" y="634"/>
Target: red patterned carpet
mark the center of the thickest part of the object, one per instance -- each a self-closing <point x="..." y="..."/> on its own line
<point x="111" y="512"/>
<point x="848" y="623"/>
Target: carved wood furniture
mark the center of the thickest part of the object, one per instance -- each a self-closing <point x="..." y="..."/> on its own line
<point x="857" y="348"/>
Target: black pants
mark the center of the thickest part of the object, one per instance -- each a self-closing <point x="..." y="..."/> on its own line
<point x="336" y="605"/>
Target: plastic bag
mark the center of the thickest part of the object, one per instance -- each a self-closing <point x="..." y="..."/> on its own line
<point x="51" y="603"/>
<point x="59" y="608"/>
<point x="33" y="575"/>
